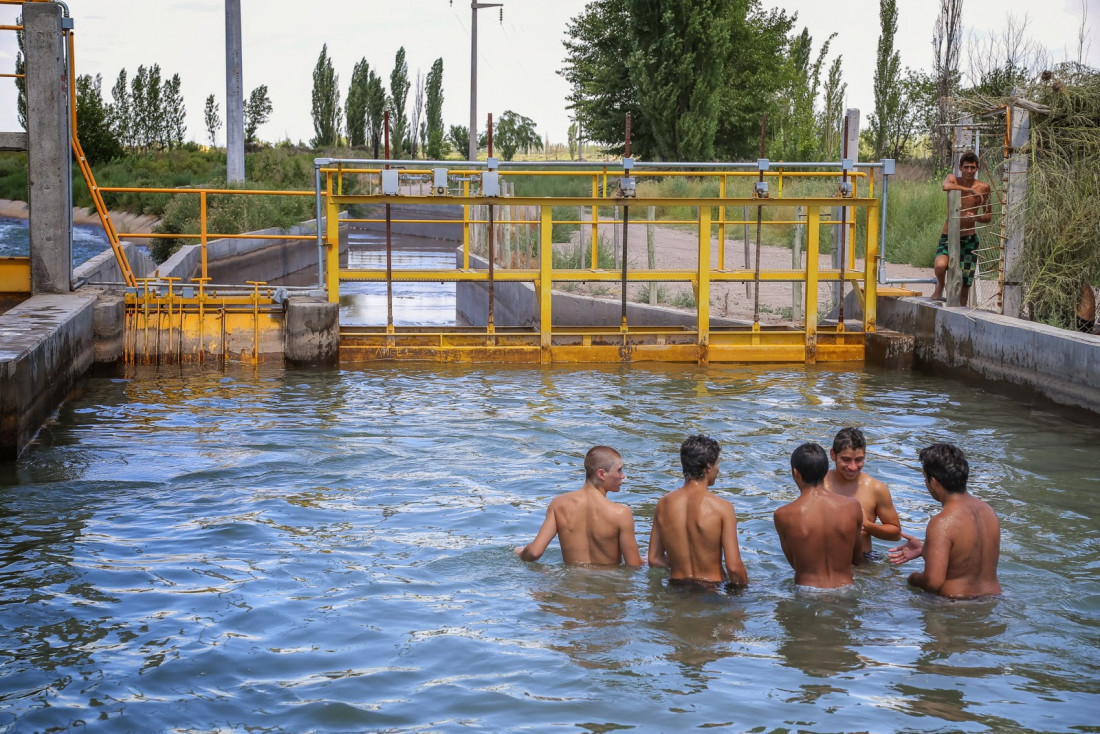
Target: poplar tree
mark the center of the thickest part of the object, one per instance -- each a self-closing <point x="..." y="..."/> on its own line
<point x="256" y="113"/>
<point x="326" y="102"/>
<point x="831" y="122"/>
<point x="175" y="113"/>
<point x="121" y="112"/>
<point x="93" y="123"/>
<point x="399" y="92"/>
<point x="416" y="129"/>
<point x="946" y="36"/>
<point x="434" y="111"/>
<point x="514" y="132"/>
<point x="887" y="80"/>
<point x="376" y="110"/>
<point x="213" y="120"/>
<point x="20" y="80"/>
<point x="154" y="113"/>
<point x="139" y="125"/>
<point x="355" y="109"/>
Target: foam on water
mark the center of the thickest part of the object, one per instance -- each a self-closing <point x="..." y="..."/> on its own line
<point x="330" y="550"/>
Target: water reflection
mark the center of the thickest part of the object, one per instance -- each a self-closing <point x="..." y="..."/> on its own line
<point x="414" y="304"/>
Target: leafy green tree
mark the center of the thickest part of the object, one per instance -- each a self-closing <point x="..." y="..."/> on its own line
<point x="376" y="110"/>
<point x="571" y="136"/>
<point x="677" y="63"/>
<point x="138" y="122"/>
<point x="459" y="135"/>
<point x="355" y="109"/>
<point x="256" y="113"/>
<point x="719" y="65"/>
<point x="602" y="89"/>
<point x="121" y="112"/>
<point x="93" y="122"/>
<point x="946" y="40"/>
<point x="434" y="111"/>
<point x="20" y="81"/>
<point x="514" y="132"/>
<point x="326" y="102"/>
<point x="175" y="113"/>
<point x="755" y="72"/>
<point x="213" y="120"/>
<point x="888" y="101"/>
<point x="399" y="93"/>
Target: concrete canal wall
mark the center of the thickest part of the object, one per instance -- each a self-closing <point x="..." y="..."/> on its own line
<point x="1059" y="365"/>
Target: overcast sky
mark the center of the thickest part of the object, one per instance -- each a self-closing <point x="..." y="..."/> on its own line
<point x="518" y="57"/>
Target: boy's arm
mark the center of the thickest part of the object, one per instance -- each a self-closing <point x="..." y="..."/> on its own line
<point x="912" y="548"/>
<point x="628" y="544"/>
<point x="888" y="526"/>
<point x="534" y="550"/>
<point x="985" y="210"/>
<point x="735" y="568"/>
<point x="857" y="549"/>
<point x="782" y="533"/>
<point x="657" y="556"/>
<point x="937" y="551"/>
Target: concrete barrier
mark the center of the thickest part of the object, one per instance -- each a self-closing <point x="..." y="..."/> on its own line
<point x="253" y="258"/>
<point x="103" y="269"/>
<point x="1060" y="365"/>
<point x="45" y="347"/>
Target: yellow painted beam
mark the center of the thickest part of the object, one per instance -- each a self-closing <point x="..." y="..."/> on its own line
<point x="15" y="275"/>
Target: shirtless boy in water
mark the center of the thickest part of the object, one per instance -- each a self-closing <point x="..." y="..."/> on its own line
<point x="819" y="531"/>
<point x="693" y="528"/>
<point x="590" y="528"/>
<point x="963" y="541"/>
<point x="849" y="453"/>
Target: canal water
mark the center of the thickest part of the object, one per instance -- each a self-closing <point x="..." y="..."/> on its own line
<point x="88" y="241"/>
<point x="284" y="550"/>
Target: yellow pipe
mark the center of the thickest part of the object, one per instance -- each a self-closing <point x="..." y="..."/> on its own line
<point x="702" y="292"/>
<point x="546" y="259"/>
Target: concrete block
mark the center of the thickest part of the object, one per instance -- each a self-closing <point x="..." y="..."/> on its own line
<point x="109" y="328"/>
<point x="312" y="331"/>
<point x="891" y="349"/>
<point x="46" y="346"/>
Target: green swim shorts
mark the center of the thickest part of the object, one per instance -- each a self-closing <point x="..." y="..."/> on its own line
<point x="968" y="253"/>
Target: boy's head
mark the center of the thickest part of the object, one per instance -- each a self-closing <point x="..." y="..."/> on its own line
<point x="696" y="453"/>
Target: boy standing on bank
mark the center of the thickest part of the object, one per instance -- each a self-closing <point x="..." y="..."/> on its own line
<point x="974" y="208"/>
<point x="963" y="541"/>
<point x="693" y="528"/>
<point x="590" y="528"/>
<point x="819" y="531"/>
<point x="849" y="453"/>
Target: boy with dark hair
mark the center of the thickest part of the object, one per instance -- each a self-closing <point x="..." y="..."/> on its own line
<point x="693" y="528"/>
<point x="591" y="528"/>
<point x="880" y="519"/>
<point x="973" y="208"/>
<point x="963" y="541"/>
<point x="819" y="531"/>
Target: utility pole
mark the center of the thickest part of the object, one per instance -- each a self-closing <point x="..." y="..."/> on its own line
<point x="234" y="95"/>
<point x="474" y="7"/>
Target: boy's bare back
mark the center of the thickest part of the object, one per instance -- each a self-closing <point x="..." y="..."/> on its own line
<point x="593" y="529"/>
<point x="694" y="528"/>
<point x="590" y="528"/>
<point x="820" y="536"/>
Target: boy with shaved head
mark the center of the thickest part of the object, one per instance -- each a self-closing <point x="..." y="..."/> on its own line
<point x="590" y="528"/>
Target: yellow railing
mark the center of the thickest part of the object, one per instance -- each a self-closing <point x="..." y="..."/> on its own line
<point x="800" y="341"/>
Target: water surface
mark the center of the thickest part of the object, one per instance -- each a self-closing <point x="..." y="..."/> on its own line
<point x="330" y="550"/>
